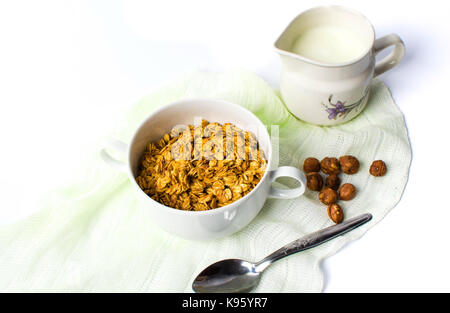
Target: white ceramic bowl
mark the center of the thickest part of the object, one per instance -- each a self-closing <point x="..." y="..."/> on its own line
<point x="211" y="224"/>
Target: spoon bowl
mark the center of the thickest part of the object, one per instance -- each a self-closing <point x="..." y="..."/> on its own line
<point x="231" y="275"/>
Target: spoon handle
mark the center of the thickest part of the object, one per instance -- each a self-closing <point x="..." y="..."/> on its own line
<point x="313" y="240"/>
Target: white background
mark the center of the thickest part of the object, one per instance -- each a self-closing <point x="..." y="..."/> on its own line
<point x="68" y="67"/>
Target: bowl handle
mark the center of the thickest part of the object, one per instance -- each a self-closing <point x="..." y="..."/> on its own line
<point x="118" y="146"/>
<point x="287" y="171"/>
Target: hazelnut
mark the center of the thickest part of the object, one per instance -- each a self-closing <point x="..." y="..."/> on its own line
<point x="328" y="196"/>
<point x="330" y="166"/>
<point x="335" y="213"/>
<point x="349" y="164"/>
<point x="314" y="181"/>
<point x="347" y="192"/>
<point x="311" y="165"/>
<point x="378" y="168"/>
<point x="333" y="181"/>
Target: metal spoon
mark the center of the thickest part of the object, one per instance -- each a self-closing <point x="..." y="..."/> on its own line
<point x="234" y="275"/>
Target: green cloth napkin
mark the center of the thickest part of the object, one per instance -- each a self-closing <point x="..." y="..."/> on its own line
<point x="92" y="236"/>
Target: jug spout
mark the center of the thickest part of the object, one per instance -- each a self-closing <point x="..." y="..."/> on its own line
<point x="330" y="36"/>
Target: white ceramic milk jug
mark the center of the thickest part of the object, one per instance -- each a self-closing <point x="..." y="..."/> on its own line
<point x="328" y="61"/>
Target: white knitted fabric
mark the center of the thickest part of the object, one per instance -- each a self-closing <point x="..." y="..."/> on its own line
<point x="92" y="235"/>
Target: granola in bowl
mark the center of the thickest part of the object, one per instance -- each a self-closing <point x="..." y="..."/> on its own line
<point x="201" y="167"/>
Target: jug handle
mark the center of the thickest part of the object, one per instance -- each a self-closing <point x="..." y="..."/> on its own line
<point x="392" y="58"/>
